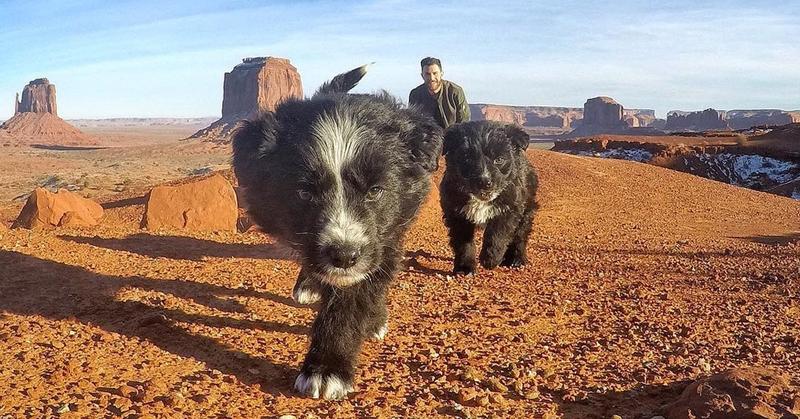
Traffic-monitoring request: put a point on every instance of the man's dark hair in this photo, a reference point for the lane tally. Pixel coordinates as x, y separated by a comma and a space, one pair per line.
430, 61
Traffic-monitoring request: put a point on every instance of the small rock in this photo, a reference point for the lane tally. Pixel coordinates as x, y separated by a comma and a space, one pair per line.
497, 399
483, 401
497, 385
465, 395
63, 409
616, 417
288, 417
126, 391
470, 374
704, 365
532, 394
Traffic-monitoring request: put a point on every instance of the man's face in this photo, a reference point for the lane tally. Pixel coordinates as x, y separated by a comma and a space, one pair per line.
432, 75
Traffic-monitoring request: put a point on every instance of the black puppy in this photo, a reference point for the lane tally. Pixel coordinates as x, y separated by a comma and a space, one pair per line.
340, 177
488, 182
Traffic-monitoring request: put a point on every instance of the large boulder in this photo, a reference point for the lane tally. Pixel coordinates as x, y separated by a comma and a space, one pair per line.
45, 209
709, 119
738, 393
256, 85
207, 204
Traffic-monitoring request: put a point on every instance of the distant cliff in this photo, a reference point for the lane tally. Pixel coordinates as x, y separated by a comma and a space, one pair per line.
552, 119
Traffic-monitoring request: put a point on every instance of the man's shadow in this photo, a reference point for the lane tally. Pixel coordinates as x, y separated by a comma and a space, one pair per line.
33, 286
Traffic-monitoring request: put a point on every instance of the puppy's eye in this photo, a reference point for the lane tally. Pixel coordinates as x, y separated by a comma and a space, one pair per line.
374, 193
499, 161
304, 194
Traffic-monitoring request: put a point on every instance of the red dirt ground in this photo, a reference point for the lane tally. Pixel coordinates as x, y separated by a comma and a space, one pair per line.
641, 279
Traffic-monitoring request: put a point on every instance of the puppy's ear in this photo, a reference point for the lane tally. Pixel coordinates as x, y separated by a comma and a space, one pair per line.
519, 138
423, 137
452, 138
253, 141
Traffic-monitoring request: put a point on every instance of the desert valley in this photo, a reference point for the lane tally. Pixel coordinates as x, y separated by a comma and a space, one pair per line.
663, 280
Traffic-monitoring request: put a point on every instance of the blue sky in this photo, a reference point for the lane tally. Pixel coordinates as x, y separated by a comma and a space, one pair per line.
167, 59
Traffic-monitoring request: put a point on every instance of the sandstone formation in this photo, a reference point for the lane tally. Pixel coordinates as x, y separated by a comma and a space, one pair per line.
38, 96
36, 121
45, 209
744, 119
601, 115
709, 119
738, 393
256, 85
208, 204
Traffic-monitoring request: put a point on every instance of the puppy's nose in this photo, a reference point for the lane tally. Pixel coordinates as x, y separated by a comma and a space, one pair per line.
342, 256
484, 182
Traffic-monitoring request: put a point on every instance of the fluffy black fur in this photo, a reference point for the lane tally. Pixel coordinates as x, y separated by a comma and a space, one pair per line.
345, 215
488, 182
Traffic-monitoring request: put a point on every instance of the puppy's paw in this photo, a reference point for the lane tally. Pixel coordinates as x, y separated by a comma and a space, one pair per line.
304, 295
381, 332
489, 264
515, 262
327, 386
490, 261
465, 269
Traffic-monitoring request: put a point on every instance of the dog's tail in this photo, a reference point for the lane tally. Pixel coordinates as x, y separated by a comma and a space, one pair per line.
343, 82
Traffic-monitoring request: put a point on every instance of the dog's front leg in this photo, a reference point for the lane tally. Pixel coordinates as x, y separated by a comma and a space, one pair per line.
496, 238
307, 289
462, 240
336, 338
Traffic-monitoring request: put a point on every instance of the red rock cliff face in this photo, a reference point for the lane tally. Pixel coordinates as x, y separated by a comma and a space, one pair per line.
39, 96
744, 119
259, 84
709, 119
256, 85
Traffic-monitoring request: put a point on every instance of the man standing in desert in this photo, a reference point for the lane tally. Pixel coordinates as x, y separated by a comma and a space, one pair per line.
439, 98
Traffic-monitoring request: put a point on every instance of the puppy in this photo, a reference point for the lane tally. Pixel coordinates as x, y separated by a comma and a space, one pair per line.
488, 182
340, 177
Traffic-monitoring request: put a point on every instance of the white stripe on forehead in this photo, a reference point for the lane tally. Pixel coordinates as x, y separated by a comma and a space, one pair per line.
339, 139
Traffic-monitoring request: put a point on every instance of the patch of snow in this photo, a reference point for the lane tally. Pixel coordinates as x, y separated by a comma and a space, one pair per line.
635, 154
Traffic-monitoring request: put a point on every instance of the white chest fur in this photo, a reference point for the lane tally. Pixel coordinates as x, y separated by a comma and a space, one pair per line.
479, 211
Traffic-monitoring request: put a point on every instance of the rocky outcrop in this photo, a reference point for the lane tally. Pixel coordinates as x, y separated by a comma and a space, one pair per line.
208, 204
45, 209
550, 119
601, 115
709, 119
38, 96
35, 120
745, 119
738, 393
256, 85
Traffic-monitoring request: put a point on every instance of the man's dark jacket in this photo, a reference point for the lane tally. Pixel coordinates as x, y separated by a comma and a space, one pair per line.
449, 106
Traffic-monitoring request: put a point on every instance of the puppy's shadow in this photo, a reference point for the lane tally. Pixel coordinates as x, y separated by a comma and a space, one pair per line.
412, 263
187, 248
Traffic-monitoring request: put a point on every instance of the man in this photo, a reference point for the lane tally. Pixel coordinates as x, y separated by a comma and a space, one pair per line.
439, 98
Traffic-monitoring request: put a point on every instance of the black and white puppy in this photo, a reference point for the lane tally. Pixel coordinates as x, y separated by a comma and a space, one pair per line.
340, 177
488, 182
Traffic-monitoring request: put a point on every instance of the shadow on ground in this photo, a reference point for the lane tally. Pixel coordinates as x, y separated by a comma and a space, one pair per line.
35, 287
187, 248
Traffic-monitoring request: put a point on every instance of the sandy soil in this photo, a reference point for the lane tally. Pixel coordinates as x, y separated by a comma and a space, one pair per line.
641, 279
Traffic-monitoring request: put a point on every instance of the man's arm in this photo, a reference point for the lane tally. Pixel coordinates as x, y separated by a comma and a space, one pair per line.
462, 111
